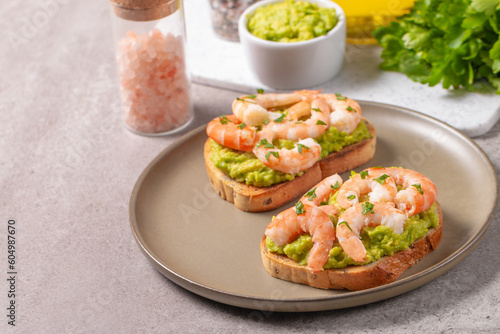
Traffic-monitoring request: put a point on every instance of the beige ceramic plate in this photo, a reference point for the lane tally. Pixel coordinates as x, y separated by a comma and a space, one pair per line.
207, 246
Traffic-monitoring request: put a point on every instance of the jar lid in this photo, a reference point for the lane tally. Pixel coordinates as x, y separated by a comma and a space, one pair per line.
144, 10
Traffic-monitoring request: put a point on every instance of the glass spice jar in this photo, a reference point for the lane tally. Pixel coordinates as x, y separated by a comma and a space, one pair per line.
225, 15
150, 51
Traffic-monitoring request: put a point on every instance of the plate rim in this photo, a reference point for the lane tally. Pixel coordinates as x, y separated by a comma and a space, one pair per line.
327, 302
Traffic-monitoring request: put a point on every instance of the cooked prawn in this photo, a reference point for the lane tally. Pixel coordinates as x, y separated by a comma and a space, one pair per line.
419, 192
352, 221
253, 109
377, 184
291, 223
313, 127
345, 114
320, 194
298, 110
228, 131
304, 154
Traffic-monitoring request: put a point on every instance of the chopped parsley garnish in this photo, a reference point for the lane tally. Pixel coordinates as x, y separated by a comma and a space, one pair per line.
345, 223
223, 119
316, 109
367, 208
340, 97
241, 126
336, 186
260, 91
364, 174
276, 155
311, 194
243, 100
351, 197
419, 188
266, 121
300, 146
349, 108
279, 119
252, 96
382, 178
299, 208
320, 122
265, 143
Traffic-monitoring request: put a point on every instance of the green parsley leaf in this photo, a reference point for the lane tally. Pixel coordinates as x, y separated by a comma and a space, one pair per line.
241, 126
351, 197
340, 97
260, 91
316, 109
367, 208
320, 122
311, 194
364, 174
243, 100
276, 155
280, 119
349, 108
266, 121
345, 223
265, 143
336, 186
419, 188
451, 42
382, 178
299, 208
252, 96
300, 146
223, 119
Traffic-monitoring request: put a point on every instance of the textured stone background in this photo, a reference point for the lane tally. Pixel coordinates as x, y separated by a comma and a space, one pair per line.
68, 166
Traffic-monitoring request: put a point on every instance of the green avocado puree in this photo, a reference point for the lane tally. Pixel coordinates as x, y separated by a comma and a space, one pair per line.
291, 21
379, 241
245, 167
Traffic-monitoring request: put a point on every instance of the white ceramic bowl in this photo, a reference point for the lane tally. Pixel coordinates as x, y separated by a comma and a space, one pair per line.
294, 65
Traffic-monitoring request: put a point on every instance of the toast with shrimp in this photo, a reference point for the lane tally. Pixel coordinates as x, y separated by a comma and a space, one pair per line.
276, 146
364, 233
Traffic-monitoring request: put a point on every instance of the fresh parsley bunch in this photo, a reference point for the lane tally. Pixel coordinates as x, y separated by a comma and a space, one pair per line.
455, 42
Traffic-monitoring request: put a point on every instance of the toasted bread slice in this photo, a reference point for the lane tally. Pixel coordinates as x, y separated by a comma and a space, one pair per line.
351, 156
377, 273
256, 199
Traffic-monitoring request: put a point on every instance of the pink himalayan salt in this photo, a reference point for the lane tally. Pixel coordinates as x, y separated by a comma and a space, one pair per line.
154, 83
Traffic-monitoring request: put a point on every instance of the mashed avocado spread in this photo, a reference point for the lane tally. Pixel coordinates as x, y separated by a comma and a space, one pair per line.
379, 241
291, 21
245, 167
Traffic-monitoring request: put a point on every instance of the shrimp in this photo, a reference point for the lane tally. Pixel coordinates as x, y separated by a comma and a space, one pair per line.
313, 127
304, 218
419, 192
378, 185
303, 156
228, 131
352, 221
252, 109
298, 110
320, 194
346, 113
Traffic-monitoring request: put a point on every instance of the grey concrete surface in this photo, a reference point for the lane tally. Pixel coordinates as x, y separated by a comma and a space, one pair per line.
67, 169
